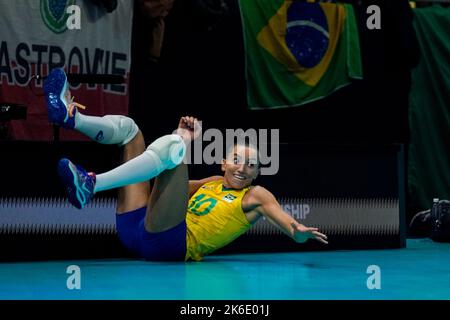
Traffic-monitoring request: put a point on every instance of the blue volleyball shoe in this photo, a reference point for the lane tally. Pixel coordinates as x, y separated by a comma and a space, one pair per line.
79, 183
59, 110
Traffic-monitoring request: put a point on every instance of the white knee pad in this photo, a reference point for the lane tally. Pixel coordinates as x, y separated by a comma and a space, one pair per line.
170, 150
125, 129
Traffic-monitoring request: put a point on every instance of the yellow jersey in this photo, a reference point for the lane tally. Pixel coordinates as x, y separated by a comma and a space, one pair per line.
214, 219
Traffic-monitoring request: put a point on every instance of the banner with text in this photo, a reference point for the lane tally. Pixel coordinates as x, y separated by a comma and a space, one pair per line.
81, 37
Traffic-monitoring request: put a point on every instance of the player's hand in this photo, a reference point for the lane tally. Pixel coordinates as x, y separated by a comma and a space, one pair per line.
189, 128
303, 233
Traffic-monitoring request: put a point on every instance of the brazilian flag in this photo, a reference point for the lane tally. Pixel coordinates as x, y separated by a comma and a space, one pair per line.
298, 52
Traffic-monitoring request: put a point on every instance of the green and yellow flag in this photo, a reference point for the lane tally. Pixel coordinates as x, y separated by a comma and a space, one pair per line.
298, 52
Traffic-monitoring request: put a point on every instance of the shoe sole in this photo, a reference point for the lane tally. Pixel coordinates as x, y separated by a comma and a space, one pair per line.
70, 180
61, 102
62, 98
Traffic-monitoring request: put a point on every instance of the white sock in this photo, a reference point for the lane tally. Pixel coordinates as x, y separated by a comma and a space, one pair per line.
110, 129
142, 168
164, 153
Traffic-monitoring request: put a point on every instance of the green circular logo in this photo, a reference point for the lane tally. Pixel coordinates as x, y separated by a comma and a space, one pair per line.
54, 14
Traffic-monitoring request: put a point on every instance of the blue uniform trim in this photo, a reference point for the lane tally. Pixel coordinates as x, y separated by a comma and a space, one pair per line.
169, 245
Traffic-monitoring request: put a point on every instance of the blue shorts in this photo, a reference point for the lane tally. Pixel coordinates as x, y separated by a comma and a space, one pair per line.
169, 245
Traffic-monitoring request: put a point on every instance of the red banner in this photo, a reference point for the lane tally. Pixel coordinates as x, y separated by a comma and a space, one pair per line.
100, 46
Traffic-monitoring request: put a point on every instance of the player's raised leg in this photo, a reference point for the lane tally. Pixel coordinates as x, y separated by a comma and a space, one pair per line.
164, 153
168, 201
167, 206
109, 129
136, 195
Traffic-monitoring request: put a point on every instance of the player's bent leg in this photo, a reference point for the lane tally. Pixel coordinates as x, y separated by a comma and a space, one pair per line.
160, 240
167, 206
79, 184
133, 196
164, 153
170, 150
109, 129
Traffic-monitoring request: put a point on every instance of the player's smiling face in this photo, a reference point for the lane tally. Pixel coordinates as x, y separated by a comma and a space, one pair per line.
241, 167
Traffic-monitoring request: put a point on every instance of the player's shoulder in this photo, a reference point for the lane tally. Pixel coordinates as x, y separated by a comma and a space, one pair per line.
259, 193
257, 197
212, 179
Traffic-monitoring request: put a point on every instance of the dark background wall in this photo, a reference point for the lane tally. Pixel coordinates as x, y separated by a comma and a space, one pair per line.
202, 72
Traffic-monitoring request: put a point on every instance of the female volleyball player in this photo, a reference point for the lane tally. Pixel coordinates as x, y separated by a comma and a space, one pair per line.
177, 219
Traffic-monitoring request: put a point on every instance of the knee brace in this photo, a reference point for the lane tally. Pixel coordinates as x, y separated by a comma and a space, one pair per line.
124, 129
170, 149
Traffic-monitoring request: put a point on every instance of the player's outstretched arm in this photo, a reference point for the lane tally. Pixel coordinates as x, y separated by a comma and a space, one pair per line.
269, 207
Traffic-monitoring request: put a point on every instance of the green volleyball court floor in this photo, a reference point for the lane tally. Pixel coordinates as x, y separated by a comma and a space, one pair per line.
420, 271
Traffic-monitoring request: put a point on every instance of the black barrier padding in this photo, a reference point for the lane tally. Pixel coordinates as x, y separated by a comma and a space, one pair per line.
29, 247
323, 170
26, 247
336, 171
29, 170
72, 247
